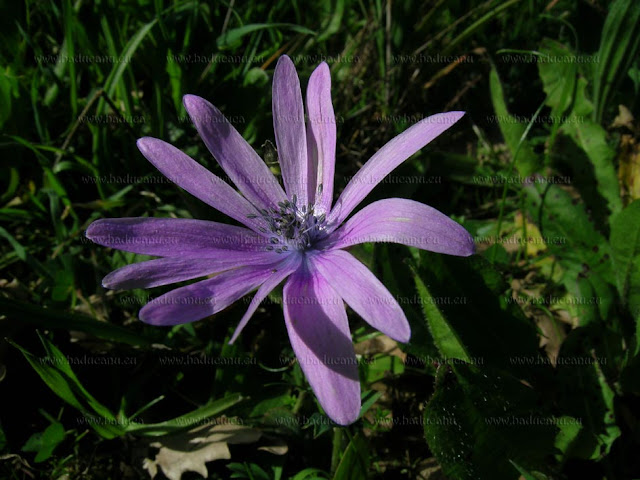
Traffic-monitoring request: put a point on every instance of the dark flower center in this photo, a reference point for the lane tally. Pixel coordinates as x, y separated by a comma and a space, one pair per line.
292, 226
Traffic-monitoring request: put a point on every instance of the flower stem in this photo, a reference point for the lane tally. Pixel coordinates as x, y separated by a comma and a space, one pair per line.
337, 448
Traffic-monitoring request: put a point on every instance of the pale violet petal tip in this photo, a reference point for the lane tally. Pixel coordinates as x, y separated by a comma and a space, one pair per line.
403, 221
290, 131
204, 298
389, 157
238, 159
363, 292
189, 100
144, 144
194, 178
318, 328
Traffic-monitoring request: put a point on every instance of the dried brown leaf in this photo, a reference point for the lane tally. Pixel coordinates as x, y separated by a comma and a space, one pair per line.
190, 451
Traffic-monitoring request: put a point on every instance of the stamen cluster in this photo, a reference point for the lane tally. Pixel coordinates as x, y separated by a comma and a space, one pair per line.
293, 227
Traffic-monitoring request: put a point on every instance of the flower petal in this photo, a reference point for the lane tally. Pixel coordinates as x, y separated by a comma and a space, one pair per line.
403, 221
173, 237
189, 175
319, 333
386, 160
236, 157
164, 271
204, 298
363, 292
288, 125
321, 136
284, 270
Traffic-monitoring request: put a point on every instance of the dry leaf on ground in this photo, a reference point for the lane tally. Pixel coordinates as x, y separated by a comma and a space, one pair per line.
190, 451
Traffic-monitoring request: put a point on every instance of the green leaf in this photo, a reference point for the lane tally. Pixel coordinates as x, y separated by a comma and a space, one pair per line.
175, 80
444, 336
256, 76
261, 408
188, 420
592, 139
480, 23
368, 400
310, 474
44, 443
59, 70
634, 75
497, 337
25, 256
5, 96
319, 422
55, 371
395, 264
335, 21
234, 36
512, 129
625, 245
124, 60
526, 474
625, 255
558, 77
354, 463
581, 250
619, 44
570, 429
251, 471
37, 316
63, 285
380, 366
479, 421
68, 14
497, 254
584, 392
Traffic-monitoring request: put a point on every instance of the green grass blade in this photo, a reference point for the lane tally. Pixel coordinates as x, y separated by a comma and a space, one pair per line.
619, 45
123, 62
192, 419
234, 36
55, 371
36, 316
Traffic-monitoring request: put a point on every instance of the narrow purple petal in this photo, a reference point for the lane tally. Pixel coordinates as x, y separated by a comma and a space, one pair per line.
386, 160
319, 333
204, 298
403, 221
173, 237
321, 136
236, 157
284, 270
288, 124
363, 292
189, 175
164, 271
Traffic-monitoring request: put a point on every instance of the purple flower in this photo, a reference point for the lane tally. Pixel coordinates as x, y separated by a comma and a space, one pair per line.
294, 234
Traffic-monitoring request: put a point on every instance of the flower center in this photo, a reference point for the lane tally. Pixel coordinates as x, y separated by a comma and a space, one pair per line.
292, 226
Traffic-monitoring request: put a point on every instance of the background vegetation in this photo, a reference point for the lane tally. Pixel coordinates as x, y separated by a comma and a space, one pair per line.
524, 360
